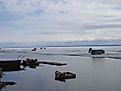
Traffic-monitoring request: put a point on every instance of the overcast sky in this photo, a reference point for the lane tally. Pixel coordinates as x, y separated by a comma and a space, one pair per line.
59, 20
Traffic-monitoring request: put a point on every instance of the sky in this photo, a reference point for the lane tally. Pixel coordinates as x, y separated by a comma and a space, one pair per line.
59, 20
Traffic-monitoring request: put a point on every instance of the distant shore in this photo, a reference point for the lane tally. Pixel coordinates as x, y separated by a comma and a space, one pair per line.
82, 45
58, 46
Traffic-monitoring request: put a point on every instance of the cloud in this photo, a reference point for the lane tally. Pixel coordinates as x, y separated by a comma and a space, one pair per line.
55, 20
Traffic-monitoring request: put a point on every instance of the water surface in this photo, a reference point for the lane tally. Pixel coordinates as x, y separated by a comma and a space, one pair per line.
93, 74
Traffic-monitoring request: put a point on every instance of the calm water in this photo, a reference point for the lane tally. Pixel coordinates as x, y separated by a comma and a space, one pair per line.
93, 74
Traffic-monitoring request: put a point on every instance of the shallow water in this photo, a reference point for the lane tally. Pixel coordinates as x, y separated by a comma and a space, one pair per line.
93, 74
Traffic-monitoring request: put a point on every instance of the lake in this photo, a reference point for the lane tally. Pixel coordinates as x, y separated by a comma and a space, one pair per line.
92, 74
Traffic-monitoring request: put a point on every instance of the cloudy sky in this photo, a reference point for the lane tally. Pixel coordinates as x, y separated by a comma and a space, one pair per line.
59, 20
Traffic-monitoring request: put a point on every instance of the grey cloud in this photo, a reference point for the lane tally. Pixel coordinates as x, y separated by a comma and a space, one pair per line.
75, 18
101, 26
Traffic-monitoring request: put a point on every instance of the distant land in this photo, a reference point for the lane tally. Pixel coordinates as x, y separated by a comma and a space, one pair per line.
106, 42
